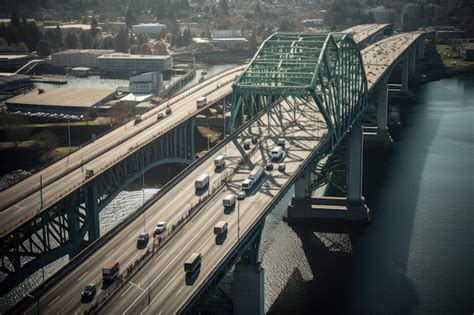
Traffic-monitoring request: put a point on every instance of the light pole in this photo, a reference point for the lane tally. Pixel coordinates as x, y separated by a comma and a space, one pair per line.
143, 193
238, 220
69, 138
41, 191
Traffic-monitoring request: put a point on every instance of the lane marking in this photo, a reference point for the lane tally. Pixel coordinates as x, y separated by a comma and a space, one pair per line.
172, 261
131, 286
82, 276
110, 252
53, 300
161, 254
179, 291
135, 285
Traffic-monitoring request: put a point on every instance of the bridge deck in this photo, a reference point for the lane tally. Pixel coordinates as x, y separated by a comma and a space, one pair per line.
362, 32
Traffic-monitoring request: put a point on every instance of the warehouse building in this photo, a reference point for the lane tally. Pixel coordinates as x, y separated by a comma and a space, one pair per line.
78, 57
124, 65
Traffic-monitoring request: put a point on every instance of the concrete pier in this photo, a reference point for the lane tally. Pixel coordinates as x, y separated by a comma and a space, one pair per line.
248, 293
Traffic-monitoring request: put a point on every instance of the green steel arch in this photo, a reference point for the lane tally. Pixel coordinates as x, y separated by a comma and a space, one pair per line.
326, 69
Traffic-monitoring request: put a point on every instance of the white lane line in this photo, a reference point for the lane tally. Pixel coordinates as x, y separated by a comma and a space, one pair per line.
179, 291
110, 252
172, 261
144, 310
82, 276
135, 285
131, 233
53, 300
131, 286
161, 255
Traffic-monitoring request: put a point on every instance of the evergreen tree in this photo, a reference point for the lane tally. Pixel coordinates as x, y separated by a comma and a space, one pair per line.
223, 8
258, 10
86, 40
22, 47
130, 18
70, 40
14, 20
121, 41
94, 25
187, 37
253, 43
43, 48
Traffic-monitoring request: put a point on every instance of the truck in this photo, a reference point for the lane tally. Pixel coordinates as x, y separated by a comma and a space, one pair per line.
193, 263
277, 152
138, 119
229, 200
220, 228
202, 181
168, 110
253, 177
201, 102
281, 142
219, 161
160, 116
110, 271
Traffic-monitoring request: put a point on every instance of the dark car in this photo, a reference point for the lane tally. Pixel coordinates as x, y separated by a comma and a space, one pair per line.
88, 292
247, 145
254, 139
269, 166
143, 238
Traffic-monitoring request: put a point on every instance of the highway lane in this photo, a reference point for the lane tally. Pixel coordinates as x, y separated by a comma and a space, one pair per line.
30, 206
122, 248
162, 282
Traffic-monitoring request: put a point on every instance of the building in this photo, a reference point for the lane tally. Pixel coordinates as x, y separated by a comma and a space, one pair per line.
10, 82
120, 64
149, 83
381, 14
312, 22
62, 100
226, 33
230, 43
148, 28
11, 63
113, 27
78, 57
468, 52
192, 26
76, 28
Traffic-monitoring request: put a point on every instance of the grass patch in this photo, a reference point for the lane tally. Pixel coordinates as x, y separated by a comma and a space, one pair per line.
210, 133
65, 150
452, 58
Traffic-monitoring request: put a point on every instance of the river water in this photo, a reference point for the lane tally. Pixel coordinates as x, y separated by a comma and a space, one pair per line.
417, 255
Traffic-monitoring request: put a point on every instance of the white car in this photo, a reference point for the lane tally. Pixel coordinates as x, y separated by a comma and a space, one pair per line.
241, 195
160, 228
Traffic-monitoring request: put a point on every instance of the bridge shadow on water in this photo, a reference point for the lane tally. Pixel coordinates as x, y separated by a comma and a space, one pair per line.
360, 270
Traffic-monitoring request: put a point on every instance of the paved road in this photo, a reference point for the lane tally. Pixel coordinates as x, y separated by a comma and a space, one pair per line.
127, 136
166, 276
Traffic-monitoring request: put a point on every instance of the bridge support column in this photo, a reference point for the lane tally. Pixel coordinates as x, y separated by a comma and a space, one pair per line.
404, 83
412, 61
302, 185
92, 209
248, 288
421, 49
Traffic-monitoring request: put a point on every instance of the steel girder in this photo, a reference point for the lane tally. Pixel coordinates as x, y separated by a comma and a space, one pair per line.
325, 67
73, 222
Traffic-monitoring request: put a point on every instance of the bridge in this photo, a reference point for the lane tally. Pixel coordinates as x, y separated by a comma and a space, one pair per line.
250, 102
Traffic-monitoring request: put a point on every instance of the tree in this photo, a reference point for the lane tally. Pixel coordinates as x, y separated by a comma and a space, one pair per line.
258, 10
14, 20
121, 41
253, 43
223, 8
94, 25
160, 48
3, 42
70, 40
130, 18
43, 48
86, 40
187, 37
284, 26
22, 47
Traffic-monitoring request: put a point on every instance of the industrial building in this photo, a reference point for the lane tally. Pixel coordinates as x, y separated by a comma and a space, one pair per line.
62, 100
78, 57
120, 64
10, 82
74, 28
11, 63
148, 83
148, 28
230, 43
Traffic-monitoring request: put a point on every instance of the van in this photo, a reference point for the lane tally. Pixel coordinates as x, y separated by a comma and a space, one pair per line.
193, 263
247, 184
229, 200
202, 181
220, 228
89, 173
281, 142
219, 161
277, 152
138, 119
201, 102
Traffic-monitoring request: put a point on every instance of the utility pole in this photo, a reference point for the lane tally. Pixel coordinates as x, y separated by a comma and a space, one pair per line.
69, 138
41, 190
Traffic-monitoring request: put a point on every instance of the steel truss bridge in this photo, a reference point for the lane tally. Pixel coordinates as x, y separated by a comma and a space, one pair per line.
326, 71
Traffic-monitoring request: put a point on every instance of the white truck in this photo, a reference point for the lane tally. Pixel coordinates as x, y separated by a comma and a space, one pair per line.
202, 181
138, 119
253, 177
277, 152
229, 200
201, 102
219, 161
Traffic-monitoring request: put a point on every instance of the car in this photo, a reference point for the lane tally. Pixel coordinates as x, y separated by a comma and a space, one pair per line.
88, 292
241, 195
143, 238
254, 139
160, 227
247, 145
281, 167
269, 166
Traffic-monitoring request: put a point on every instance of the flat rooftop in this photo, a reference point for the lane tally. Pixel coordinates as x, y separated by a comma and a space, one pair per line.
133, 56
63, 97
12, 57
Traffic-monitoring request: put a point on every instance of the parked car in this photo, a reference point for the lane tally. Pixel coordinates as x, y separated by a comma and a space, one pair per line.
88, 292
281, 167
254, 139
269, 166
160, 227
